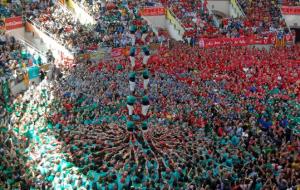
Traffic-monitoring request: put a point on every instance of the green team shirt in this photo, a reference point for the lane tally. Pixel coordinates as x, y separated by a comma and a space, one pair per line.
146, 74
131, 99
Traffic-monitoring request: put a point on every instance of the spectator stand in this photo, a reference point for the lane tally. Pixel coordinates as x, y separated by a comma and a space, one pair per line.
32, 62
51, 41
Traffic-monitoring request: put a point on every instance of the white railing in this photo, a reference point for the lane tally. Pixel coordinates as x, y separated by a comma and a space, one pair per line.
38, 26
178, 26
237, 7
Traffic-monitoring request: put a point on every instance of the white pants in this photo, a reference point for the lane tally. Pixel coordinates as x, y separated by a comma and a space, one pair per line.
132, 61
145, 109
146, 82
130, 109
145, 59
144, 37
132, 40
131, 86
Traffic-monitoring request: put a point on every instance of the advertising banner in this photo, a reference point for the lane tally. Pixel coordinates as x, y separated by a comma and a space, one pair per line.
13, 23
117, 52
152, 11
290, 10
242, 41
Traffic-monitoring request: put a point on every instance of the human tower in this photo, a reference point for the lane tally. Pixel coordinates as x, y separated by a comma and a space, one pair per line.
137, 118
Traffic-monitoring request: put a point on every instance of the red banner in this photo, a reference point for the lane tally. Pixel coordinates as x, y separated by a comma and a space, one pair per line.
242, 41
152, 11
123, 52
13, 23
290, 10
117, 52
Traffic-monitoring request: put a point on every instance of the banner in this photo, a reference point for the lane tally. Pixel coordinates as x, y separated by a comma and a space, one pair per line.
242, 41
290, 10
117, 52
152, 11
95, 55
13, 23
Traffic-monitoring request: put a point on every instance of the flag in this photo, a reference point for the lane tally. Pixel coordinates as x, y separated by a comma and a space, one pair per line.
26, 79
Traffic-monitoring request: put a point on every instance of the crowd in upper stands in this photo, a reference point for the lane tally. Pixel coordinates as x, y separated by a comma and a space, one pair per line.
61, 25
111, 28
13, 9
263, 16
219, 118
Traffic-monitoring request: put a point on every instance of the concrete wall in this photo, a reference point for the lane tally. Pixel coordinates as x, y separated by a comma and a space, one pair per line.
163, 22
220, 6
156, 21
174, 33
292, 21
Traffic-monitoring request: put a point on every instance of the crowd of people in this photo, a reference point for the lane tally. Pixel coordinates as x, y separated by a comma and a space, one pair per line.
60, 24
113, 28
263, 16
15, 57
15, 62
231, 122
13, 9
218, 118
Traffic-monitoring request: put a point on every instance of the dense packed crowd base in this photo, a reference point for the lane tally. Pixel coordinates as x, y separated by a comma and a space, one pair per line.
229, 119
222, 118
